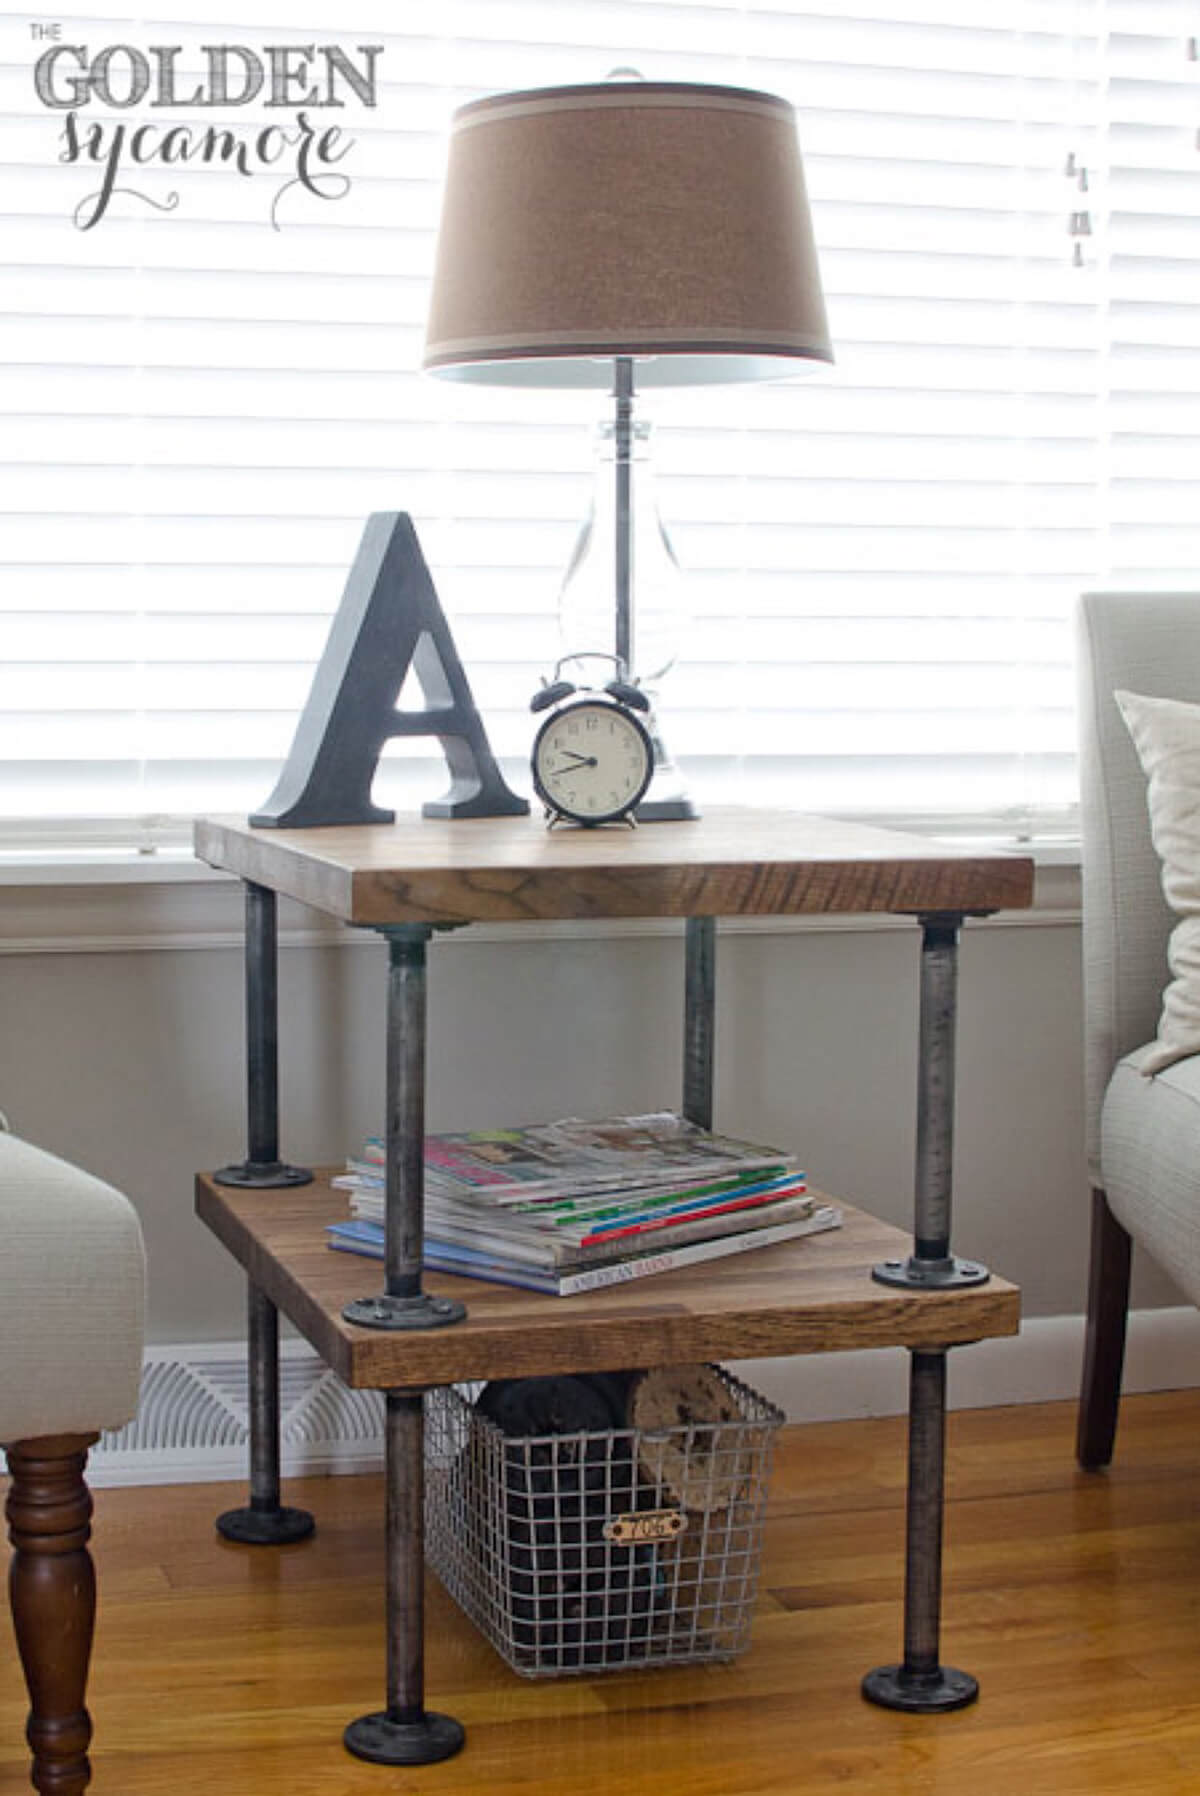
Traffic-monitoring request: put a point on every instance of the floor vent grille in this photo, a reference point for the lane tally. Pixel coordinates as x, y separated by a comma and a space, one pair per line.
193, 1420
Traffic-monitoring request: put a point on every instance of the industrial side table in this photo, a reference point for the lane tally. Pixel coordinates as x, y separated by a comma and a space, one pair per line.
864, 1285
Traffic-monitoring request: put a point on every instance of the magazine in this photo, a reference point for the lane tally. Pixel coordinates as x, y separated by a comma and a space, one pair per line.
570, 1226
575, 1157
543, 1247
548, 1205
468, 1262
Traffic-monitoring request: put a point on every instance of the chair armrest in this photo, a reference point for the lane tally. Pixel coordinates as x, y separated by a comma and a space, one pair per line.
72, 1297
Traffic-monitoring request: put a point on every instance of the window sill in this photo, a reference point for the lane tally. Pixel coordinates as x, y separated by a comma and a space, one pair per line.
79, 865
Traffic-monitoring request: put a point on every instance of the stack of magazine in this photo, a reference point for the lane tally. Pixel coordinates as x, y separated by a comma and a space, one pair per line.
572, 1206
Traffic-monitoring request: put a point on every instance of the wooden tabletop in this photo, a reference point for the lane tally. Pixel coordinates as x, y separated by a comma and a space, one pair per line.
812, 1295
731, 862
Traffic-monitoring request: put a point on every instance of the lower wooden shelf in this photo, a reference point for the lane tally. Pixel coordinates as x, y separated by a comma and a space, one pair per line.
812, 1295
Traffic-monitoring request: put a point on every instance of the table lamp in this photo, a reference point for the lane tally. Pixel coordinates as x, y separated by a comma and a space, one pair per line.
625, 232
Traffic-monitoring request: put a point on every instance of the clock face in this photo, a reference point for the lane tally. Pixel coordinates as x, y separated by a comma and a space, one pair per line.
592, 761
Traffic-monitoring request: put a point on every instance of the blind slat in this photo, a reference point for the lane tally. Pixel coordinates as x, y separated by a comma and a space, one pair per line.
200, 410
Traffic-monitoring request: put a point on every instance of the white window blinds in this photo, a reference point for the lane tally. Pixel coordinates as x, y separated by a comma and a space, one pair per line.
1149, 220
204, 396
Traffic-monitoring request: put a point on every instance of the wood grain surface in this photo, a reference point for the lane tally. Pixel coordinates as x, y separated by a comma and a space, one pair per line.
231, 1671
812, 1295
513, 869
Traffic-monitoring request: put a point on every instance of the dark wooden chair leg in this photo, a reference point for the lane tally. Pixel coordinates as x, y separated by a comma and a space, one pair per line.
52, 1589
1104, 1350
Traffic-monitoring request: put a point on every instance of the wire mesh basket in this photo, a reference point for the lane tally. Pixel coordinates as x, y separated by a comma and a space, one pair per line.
598, 1551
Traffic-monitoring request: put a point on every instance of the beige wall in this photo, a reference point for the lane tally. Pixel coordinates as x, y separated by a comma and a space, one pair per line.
121, 1047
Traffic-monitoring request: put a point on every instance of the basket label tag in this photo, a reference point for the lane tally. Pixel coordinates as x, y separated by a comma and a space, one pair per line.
650, 1524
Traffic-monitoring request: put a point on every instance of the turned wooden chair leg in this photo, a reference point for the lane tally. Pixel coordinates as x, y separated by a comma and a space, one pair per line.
1104, 1350
52, 1589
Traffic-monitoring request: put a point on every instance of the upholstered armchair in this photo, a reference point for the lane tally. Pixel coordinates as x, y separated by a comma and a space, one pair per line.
72, 1279
1142, 1070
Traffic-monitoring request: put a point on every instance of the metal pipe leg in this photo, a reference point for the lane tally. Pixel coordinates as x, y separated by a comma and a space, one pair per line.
263, 1319
265, 1522
920, 1683
931, 1265
262, 1165
402, 1303
405, 1732
699, 1009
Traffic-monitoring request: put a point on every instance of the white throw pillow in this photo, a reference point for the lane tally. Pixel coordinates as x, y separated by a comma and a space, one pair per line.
1166, 734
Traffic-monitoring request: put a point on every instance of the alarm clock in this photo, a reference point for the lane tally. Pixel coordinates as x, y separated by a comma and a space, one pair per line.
592, 758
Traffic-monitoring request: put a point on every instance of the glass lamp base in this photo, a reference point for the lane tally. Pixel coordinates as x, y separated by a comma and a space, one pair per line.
666, 799
666, 810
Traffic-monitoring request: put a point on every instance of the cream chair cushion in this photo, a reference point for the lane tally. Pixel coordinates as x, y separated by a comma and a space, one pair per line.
72, 1294
1132, 642
1150, 1149
1166, 734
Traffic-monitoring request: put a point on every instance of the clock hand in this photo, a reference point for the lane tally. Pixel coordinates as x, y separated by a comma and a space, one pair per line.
580, 760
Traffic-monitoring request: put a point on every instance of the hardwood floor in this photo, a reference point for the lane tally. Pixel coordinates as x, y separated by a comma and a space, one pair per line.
1074, 1598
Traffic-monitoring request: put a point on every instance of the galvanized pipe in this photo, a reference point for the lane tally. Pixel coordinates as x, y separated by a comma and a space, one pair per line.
402, 1302
262, 1168
920, 1684
405, 1557
405, 1732
262, 1319
405, 1152
262, 1149
262, 1026
931, 1265
264, 1521
699, 1012
926, 1489
935, 1088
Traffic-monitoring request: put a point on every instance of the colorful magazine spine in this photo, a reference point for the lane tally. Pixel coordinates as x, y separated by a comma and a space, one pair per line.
633, 1217
674, 1213
548, 1250
367, 1238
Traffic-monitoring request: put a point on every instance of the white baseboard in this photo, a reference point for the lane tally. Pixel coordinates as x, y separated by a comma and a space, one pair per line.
192, 1426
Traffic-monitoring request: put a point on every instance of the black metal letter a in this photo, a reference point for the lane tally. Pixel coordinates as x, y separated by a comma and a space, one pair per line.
388, 621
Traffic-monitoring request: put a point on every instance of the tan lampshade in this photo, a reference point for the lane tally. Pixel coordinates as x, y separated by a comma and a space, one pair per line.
665, 221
